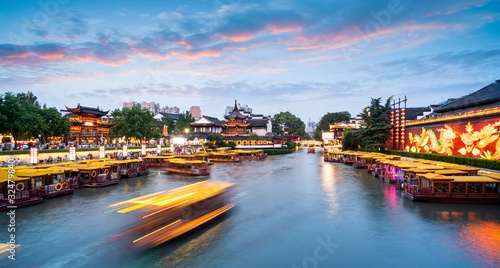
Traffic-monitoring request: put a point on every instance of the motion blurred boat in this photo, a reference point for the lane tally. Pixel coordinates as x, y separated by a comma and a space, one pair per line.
164, 215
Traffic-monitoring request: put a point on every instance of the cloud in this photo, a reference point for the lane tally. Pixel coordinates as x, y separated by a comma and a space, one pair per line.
297, 27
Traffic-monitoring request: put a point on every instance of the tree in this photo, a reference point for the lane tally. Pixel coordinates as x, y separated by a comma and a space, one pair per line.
55, 124
286, 120
133, 123
330, 119
231, 144
291, 145
168, 121
375, 129
184, 122
23, 117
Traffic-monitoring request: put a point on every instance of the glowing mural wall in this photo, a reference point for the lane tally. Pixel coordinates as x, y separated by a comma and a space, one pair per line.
479, 139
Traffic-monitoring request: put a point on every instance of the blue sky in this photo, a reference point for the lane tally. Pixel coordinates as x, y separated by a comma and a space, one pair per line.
306, 57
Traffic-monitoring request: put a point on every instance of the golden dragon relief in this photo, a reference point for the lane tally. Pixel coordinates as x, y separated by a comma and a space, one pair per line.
474, 142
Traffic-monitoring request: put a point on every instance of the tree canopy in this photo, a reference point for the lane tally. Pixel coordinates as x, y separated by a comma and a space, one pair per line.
22, 116
184, 122
286, 120
375, 129
330, 119
133, 123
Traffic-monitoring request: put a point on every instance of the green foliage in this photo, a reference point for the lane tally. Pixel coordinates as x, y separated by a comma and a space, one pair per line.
291, 145
278, 151
22, 116
169, 122
217, 138
294, 124
209, 145
231, 144
329, 119
55, 124
253, 135
375, 129
184, 122
133, 123
351, 140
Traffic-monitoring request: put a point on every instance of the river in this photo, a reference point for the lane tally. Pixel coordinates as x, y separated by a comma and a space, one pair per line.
291, 211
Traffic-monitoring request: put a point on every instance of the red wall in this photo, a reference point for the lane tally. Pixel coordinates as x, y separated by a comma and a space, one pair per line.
464, 138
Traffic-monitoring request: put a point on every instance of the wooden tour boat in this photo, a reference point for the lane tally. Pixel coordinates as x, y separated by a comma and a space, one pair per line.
19, 192
224, 157
97, 175
52, 182
311, 150
166, 215
250, 154
186, 167
432, 187
157, 161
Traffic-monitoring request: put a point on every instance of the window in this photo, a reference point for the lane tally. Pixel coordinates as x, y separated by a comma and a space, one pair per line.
475, 188
458, 188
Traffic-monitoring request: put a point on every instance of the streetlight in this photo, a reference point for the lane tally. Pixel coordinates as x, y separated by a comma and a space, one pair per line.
186, 130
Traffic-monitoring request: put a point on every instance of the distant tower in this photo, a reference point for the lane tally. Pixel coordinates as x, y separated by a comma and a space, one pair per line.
195, 112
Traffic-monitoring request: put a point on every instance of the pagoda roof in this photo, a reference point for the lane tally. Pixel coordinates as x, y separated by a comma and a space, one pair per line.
486, 96
257, 122
86, 111
236, 112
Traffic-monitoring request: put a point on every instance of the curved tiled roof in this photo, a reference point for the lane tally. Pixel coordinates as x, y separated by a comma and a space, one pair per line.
489, 94
236, 113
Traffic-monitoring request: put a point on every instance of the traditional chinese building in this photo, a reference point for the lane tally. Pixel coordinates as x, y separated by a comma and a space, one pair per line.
466, 126
236, 123
87, 126
207, 125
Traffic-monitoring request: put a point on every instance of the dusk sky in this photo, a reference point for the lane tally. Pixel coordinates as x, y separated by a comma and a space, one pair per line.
307, 57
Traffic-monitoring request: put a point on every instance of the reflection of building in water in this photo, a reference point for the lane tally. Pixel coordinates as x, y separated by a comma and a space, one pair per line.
480, 241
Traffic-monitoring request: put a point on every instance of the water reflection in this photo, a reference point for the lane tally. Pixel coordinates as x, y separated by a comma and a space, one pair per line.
480, 241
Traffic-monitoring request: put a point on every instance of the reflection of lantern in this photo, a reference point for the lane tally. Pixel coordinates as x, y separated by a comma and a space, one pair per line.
125, 151
101, 152
143, 149
33, 155
72, 153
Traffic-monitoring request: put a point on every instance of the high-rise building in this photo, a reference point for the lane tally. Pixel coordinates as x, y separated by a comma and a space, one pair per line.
195, 112
243, 108
310, 127
131, 104
170, 110
151, 106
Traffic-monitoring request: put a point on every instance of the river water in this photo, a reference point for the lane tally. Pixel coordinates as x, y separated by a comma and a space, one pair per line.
292, 211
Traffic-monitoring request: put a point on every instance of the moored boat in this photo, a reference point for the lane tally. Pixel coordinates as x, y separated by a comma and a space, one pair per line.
17, 191
186, 167
432, 187
97, 175
52, 182
250, 154
224, 157
157, 161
